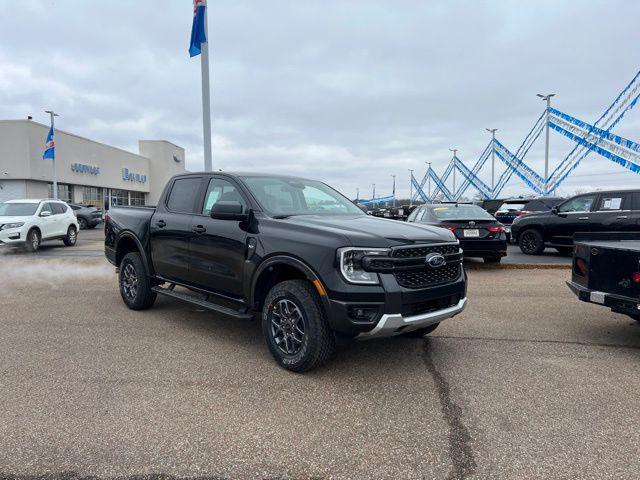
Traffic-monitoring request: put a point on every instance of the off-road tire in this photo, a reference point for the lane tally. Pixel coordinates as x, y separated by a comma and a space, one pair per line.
492, 259
33, 241
531, 242
421, 332
140, 297
317, 343
72, 236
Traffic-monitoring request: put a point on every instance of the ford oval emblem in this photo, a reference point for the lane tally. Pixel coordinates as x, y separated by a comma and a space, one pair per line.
435, 260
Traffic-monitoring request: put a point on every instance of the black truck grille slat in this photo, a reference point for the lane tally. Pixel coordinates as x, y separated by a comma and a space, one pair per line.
422, 251
426, 276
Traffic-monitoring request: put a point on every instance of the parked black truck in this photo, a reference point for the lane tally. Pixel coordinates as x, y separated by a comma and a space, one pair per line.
606, 270
295, 251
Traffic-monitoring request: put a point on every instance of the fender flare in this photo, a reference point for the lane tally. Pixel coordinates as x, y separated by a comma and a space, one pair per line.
292, 262
141, 250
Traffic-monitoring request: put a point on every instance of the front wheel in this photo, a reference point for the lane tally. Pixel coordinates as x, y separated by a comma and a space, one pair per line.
531, 242
295, 326
135, 284
33, 241
72, 236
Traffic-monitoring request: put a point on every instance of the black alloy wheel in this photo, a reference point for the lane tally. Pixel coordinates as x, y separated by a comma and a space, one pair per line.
287, 326
82, 223
295, 326
135, 284
531, 242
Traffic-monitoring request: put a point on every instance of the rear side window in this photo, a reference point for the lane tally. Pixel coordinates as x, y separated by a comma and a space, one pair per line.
611, 202
183, 195
58, 208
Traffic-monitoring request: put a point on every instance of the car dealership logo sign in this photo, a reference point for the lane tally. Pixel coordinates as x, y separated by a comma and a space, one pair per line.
82, 168
133, 177
435, 260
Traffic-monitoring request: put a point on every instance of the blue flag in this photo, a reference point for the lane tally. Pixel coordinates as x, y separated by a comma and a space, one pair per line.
198, 35
49, 147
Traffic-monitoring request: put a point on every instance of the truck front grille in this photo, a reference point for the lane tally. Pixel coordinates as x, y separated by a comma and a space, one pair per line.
425, 276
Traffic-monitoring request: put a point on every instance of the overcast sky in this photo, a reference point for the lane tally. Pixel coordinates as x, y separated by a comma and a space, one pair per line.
349, 92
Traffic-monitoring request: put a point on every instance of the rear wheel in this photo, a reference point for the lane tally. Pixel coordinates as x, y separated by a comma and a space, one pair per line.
421, 332
495, 259
135, 284
531, 242
295, 326
82, 223
33, 241
72, 236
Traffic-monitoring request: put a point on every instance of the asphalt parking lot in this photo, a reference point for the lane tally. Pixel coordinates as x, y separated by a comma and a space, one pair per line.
526, 383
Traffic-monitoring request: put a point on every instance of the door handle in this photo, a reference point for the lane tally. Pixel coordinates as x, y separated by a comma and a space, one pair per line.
583, 218
622, 217
161, 223
199, 229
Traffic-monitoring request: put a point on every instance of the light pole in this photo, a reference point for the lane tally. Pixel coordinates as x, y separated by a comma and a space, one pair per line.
429, 180
547, 98
393, 192
53, 114
410, 187
455, 155
492, 131
357, 194
374, 191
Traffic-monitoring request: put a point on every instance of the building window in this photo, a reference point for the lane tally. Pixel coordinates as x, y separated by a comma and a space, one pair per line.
92, 196
136, 198
119, 197
64, 192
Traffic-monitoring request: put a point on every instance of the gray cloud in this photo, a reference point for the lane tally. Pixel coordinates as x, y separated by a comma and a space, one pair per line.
346, 91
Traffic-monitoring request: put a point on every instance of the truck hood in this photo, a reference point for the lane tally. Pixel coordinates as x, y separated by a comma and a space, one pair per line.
368, 231
5, 219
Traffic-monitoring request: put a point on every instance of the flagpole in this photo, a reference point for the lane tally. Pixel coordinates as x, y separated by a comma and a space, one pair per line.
206, 97
52, 114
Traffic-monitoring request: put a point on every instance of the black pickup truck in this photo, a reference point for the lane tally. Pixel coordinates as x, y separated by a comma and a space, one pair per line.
293, 250
606, 270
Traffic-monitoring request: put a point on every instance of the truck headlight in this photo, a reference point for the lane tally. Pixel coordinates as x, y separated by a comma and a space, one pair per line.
350, 260
7, 226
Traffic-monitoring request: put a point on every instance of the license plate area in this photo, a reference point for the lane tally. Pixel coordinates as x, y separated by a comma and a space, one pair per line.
597, 297
471, 233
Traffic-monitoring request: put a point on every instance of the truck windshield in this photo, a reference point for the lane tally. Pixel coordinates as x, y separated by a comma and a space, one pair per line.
18, 209
287, 196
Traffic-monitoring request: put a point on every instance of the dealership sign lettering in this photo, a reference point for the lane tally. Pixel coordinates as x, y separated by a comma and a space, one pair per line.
133, 177
82, 168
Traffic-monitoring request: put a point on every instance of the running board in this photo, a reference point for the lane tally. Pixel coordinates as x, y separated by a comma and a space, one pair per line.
201, 302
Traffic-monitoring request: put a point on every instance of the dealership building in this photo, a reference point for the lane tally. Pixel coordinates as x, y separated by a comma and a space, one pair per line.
88, 171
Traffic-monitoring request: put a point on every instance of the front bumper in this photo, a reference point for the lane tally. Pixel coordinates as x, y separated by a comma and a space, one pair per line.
396, 324
13, 236
617, 303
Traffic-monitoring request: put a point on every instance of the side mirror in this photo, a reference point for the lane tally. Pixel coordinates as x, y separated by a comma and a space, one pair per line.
45, 214
229, 211
555, 210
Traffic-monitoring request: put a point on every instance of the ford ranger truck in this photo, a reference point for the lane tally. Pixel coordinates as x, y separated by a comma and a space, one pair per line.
606, 270
291, 251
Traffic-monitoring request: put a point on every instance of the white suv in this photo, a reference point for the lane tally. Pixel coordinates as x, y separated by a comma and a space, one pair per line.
29, 222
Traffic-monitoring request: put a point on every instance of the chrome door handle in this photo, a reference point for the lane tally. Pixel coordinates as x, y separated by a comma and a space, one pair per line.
583, 218
622, 217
